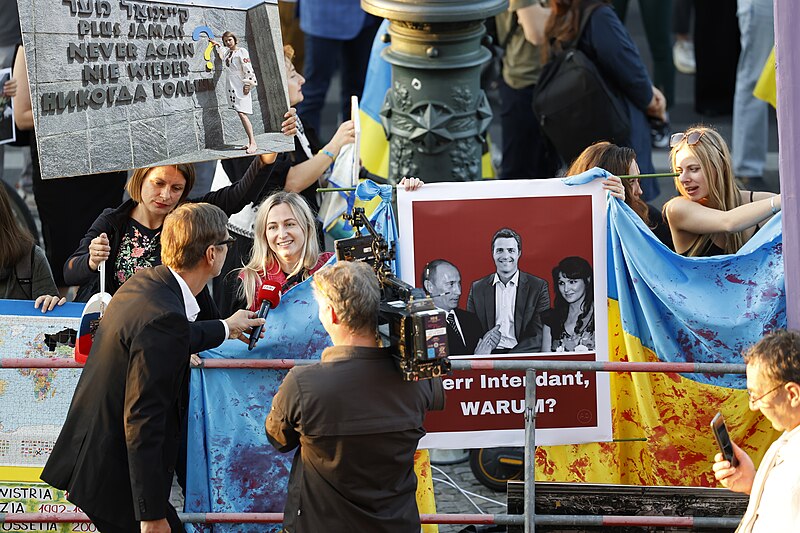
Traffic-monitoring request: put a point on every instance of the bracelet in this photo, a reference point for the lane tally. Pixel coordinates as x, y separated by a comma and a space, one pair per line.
772, 205
328, 153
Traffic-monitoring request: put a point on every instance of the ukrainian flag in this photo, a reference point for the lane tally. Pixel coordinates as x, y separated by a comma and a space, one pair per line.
665, 307
374, 145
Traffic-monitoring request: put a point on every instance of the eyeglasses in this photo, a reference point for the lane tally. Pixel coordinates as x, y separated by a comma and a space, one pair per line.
691, 138
755, 399
227, 242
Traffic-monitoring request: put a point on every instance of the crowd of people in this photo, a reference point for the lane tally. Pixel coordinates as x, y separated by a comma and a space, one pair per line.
165, 244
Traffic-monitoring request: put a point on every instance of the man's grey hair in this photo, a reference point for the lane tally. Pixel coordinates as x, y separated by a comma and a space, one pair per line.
353, 291
778, 355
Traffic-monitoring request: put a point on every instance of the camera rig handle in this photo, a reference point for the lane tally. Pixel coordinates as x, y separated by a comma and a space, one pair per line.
380, 255
414, 327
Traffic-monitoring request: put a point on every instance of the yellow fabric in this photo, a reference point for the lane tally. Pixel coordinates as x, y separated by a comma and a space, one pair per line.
374, 146
375, 150
767, 86
28, 474
672, 412
426, 503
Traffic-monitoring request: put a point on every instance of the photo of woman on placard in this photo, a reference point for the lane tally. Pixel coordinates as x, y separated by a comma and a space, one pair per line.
241, 80
569, 325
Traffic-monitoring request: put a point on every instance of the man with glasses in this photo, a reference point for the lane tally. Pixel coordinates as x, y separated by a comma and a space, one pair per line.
117, 450
773, 384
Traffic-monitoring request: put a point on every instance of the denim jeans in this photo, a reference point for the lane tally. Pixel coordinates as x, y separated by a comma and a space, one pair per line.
750, 115
323, 58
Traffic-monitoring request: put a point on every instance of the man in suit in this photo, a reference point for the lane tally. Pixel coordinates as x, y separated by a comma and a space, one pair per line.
773, 385
117, 449
442, 281
509, 298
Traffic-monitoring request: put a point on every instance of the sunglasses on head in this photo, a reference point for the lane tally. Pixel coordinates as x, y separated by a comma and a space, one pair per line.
691, 138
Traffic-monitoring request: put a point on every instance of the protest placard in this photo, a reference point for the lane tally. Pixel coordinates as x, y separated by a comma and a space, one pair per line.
549, 239
121, 84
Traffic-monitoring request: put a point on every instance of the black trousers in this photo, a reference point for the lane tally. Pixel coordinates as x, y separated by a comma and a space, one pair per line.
716, 51
526, 151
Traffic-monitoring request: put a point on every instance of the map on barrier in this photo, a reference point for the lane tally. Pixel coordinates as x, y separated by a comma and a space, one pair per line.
33, 406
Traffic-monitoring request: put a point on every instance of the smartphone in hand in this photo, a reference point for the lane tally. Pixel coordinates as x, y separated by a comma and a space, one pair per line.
723, 439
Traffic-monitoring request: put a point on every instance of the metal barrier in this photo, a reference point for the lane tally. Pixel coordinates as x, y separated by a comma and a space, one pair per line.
496, 519
529, 518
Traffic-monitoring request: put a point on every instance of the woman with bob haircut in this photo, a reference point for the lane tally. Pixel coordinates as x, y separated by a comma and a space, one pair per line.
129, 235
621, 160
712, 216
569, 325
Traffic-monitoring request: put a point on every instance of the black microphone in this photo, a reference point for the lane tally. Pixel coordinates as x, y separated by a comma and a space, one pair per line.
270, 296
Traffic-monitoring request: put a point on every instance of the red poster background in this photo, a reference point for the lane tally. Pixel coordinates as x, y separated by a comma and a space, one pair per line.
461, 231
564, 406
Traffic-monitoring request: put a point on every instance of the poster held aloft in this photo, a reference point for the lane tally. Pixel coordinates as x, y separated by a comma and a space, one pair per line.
133, 83
515, 235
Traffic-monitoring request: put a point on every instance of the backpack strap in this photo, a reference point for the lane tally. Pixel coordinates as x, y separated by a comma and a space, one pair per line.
24, 272
585, 14
511, 30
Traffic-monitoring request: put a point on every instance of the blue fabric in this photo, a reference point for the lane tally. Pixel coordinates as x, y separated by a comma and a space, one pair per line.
586, 176
231, 467
382, 217
379, 77
695, 309
332, 19
368, 189
25, 308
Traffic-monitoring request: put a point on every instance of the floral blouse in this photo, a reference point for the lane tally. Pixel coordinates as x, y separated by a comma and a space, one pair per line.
139, 248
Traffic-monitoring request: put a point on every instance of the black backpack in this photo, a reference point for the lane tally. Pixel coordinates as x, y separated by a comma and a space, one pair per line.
573, 103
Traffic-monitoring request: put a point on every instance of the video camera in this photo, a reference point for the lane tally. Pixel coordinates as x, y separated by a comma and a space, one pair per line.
415, 328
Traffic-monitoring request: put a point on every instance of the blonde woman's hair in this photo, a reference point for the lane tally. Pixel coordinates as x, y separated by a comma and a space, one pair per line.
715, 161
263, 257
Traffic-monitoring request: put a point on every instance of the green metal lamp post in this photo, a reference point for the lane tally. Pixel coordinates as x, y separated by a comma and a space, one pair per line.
435, 113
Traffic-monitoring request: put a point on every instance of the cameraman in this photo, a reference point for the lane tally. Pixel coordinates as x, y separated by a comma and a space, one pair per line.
355, 420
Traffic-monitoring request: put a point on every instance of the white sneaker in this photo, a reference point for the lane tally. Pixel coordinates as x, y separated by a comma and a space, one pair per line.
683, 57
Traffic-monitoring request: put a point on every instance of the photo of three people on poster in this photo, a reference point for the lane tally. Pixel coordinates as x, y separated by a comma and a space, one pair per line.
509, 311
